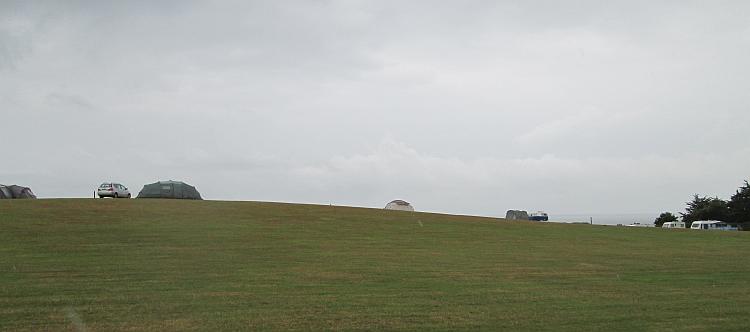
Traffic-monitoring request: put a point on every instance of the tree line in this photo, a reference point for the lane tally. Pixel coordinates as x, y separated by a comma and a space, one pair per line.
735, 211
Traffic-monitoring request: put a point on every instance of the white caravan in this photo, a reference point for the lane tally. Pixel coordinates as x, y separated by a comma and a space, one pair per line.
712, 225
673, 224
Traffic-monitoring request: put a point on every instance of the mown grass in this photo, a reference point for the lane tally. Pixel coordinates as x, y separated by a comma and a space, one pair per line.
154, 265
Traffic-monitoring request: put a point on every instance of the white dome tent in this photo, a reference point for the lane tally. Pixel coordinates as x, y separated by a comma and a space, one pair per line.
399, 205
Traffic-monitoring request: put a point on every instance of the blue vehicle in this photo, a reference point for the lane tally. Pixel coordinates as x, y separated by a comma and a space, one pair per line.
539, 216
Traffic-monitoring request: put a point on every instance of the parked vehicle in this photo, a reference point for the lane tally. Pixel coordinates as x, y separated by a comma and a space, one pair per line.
114, 190
673, 224
714, 225
638, 224
539, 216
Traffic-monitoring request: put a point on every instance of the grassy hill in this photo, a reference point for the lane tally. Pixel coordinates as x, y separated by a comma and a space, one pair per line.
74, 264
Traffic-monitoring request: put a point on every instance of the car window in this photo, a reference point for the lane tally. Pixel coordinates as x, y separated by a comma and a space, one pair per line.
105, 185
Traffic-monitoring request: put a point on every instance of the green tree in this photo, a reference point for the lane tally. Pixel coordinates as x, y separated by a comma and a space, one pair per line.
705, 208
664, 217
739, 205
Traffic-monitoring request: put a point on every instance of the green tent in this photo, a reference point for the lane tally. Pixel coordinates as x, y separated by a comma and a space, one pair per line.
169, 189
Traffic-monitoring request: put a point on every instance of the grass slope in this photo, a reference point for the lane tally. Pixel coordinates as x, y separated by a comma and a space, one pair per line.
156, 265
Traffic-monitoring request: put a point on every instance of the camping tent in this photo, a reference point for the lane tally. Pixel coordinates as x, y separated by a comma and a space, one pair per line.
399, 205
14, 191
169, 189
517, 215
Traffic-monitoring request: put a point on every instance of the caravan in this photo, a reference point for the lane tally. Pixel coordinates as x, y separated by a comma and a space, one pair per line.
712, 225
673, 224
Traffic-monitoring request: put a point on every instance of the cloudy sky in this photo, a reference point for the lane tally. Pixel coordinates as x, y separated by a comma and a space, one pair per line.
470, 107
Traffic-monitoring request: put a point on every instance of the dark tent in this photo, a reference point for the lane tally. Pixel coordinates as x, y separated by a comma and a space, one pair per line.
169, 189
14, 191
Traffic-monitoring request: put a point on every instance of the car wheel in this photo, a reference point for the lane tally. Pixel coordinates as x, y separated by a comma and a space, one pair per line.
116, 195
128, 195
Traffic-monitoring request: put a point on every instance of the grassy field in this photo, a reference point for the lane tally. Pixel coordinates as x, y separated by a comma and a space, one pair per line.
84, 264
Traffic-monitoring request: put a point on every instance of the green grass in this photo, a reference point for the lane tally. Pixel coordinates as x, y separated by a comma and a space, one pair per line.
159, 265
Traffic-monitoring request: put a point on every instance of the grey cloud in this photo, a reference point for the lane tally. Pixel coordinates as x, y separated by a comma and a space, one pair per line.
465, 107
71, 103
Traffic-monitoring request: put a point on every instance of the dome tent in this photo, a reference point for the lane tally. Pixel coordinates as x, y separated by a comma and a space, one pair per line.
399, 205
517, 215
169, 189
15, 191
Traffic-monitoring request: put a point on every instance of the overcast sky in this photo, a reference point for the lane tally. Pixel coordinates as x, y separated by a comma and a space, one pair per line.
470, 107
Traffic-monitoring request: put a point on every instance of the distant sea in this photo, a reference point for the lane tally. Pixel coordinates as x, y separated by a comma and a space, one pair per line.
607, 219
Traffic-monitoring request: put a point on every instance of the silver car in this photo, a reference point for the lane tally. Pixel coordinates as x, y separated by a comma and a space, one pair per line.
114, 190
